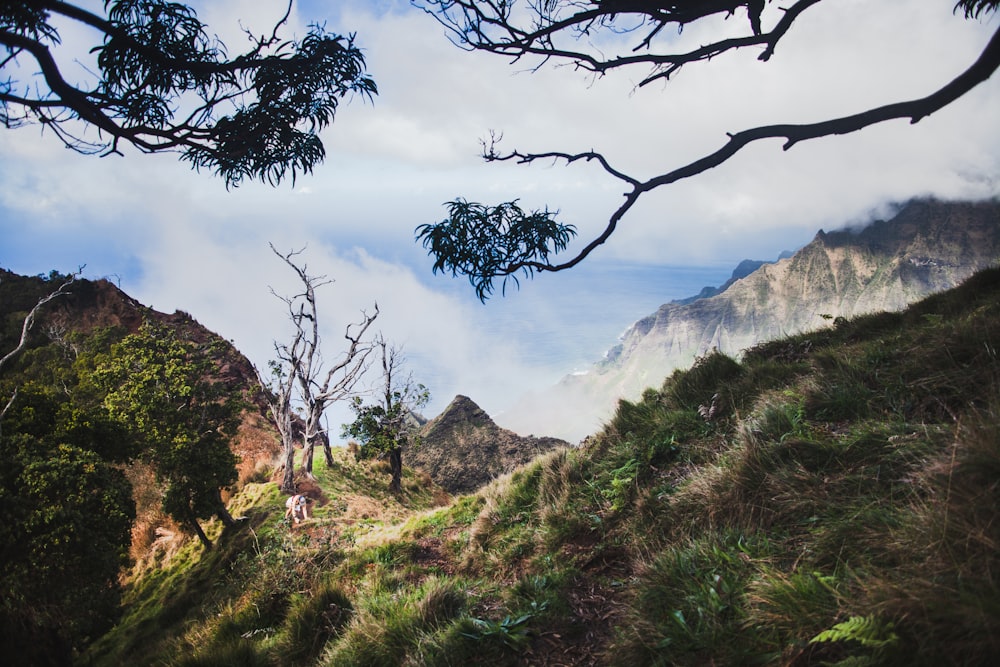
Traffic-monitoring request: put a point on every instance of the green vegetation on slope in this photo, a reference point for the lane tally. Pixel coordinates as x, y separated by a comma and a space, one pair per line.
832, 498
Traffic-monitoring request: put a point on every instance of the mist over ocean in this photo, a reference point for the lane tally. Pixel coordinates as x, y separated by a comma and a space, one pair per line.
572, 320
564, 322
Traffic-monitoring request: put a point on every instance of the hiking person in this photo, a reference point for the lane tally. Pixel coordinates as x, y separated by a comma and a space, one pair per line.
297, 508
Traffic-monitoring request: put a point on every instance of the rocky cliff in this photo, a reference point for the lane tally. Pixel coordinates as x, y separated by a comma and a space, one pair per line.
928, 246
462, 448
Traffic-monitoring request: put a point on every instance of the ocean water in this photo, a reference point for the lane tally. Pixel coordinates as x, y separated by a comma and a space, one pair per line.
568, 320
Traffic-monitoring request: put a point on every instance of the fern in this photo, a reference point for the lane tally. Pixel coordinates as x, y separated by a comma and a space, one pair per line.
868, 631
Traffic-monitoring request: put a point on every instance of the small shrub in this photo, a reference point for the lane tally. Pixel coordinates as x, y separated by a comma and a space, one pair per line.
462, 644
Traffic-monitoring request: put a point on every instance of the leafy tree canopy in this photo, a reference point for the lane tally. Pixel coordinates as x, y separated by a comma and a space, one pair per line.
65, 527
482, 241
386, 425
162, 83
163, 390
489, 243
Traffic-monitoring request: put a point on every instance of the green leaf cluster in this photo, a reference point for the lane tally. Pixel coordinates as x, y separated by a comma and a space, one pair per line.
381, 428
66, 507
163, 83
163, 390
488, 242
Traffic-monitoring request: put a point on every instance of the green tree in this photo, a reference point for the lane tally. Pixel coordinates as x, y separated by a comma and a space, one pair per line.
66, 508
388, 425
167, 393
490, 243
160, 82
65, 529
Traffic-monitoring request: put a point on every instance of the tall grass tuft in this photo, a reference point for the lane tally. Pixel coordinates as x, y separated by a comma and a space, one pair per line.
399, 627
235, 653
947, 601
311, 623
688, 604
786, 609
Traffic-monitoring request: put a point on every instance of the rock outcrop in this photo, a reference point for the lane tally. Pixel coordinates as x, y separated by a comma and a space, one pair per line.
462, 448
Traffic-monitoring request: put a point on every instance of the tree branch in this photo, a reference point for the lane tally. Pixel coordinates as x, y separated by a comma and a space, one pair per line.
980, 71
29, 322
258, 114
489, 26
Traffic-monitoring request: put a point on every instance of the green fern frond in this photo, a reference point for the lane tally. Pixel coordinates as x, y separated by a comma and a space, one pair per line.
869, 631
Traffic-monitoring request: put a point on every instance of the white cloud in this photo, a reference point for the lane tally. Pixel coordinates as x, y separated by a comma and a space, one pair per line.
180, 240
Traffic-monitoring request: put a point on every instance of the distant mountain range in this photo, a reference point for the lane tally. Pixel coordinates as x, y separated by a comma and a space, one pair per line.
927, 247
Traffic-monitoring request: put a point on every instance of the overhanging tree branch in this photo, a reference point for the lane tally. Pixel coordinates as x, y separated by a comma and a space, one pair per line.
457, 243
566, 30
162, 84
914, 110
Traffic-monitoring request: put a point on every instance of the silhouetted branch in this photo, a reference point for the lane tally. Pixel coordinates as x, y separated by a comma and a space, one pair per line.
915, 110
543, 28
162, 84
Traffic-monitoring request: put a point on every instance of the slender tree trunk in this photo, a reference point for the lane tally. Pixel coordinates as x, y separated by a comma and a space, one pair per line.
288, 482
224, 515
207, 543
328, 451
396, 465
307, 457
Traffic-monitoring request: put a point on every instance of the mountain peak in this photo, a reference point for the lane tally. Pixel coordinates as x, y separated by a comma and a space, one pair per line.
462, 448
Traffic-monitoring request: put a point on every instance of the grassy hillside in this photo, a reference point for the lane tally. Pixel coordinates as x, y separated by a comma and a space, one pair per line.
830, 499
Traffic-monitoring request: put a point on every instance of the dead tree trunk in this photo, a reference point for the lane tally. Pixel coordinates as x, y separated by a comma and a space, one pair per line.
300, 364
396, 468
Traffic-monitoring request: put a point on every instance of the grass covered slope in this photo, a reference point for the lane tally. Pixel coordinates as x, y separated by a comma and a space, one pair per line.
833, 498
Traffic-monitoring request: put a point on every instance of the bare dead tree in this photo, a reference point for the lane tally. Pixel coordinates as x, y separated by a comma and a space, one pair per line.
278, 390
26, 326
486, 243
300, 370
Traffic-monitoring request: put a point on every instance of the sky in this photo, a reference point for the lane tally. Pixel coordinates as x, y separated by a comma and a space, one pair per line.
176, 239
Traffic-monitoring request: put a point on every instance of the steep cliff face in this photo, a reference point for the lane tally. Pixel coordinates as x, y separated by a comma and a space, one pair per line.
462, 448
927, 247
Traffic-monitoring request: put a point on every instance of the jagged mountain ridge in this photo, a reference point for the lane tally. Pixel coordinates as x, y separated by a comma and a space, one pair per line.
463, 449
927, 247
742, 270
